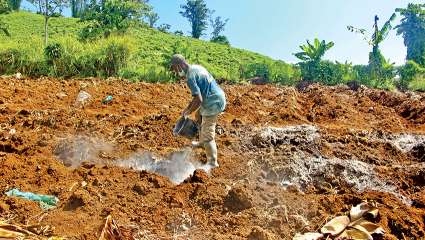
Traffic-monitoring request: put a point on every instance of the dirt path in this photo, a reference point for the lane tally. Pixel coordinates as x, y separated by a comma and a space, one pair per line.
290, 160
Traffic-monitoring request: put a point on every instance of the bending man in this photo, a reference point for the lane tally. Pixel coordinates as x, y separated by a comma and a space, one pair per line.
208, 100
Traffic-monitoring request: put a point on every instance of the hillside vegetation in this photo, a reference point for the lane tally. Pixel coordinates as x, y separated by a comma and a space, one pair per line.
140, 54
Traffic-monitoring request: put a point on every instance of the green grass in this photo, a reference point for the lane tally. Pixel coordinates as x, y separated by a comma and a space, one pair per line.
149, 50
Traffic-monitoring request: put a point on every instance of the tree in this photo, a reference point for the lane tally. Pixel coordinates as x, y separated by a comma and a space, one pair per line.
4, 9
78, 7
218, 26
311, 57
179, 33
112, 16
412, 28
152, 18
15, 5
379, 68
49, 8
165, 28
197, 13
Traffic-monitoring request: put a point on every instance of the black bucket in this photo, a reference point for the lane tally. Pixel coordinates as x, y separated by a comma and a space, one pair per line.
186, 127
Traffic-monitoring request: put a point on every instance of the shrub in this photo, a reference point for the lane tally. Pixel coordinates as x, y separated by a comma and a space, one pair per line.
408, 73
113, 58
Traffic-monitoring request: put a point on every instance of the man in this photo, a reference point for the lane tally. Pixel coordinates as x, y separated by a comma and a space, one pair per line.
208, 100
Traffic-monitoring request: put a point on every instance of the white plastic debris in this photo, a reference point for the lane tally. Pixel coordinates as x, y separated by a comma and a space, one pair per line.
308, 236
83, 98
336, 226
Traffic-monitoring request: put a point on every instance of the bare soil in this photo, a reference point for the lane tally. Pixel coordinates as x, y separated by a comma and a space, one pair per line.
367, 146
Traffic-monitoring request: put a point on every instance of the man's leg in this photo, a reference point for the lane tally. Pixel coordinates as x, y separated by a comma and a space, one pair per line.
207, 138
198, 120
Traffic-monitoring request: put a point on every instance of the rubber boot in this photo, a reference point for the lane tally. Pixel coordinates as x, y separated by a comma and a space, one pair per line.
196, 144
211, 152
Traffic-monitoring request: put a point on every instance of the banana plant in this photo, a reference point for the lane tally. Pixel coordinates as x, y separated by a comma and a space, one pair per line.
314, 52
379, 35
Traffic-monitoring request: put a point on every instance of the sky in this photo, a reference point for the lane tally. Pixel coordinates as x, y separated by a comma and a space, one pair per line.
277, 28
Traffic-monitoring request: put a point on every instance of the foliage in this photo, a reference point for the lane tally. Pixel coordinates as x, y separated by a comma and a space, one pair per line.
152, 18
78, 8
4, 9
412, 28
410, 72
380, 72
197, 12
15, 5
165, 28
147, 57
179, 33
221, 40
314, 52
218, 26
49, 8
312, 67
112, 16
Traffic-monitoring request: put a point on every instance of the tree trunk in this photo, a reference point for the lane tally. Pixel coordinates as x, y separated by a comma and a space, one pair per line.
46, 22
46, 29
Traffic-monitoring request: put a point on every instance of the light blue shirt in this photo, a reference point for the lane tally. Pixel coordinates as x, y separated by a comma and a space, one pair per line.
200, 81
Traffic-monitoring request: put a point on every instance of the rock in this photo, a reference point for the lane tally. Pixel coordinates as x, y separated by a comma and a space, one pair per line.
257, 233
418, 151
353, 85
238, 199
199, 176
259, 81
140, 189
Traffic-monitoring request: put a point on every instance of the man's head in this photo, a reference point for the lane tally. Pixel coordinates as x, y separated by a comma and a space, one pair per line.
179, 65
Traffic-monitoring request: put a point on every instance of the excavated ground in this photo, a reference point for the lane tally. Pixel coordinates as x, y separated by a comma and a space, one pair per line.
289, 160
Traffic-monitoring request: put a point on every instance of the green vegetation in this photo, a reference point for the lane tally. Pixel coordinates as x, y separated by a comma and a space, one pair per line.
197, 12
111, 39
143, 53
112, 16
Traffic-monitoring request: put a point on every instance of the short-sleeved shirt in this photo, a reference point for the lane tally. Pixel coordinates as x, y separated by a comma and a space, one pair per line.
201, 82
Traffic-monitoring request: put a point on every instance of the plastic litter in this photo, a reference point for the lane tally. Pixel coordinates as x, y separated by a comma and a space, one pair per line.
186, 127
83, 98
344, 227
46, 201
111, 230
107, 100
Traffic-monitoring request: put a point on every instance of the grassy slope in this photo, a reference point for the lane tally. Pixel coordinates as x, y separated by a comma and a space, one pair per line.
148, 48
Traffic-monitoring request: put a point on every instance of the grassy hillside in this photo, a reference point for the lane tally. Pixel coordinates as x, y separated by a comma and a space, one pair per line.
143, 52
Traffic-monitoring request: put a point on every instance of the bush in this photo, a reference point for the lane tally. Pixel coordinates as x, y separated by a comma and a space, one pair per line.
325, 72
408, 73
113, 58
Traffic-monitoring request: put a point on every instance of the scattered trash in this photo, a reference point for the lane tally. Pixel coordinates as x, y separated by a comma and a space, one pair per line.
83, 98
12, 131
107, 100
10, 231
344, 227
186, 127
336, 226
46, 201
308, 236
111, 230
18, 75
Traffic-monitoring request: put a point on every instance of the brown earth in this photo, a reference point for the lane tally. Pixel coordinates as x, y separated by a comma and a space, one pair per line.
243, 198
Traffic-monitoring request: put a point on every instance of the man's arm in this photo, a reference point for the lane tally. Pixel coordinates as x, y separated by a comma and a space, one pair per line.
193, 105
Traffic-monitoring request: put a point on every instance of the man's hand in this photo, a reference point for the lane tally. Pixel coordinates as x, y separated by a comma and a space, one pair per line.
185, 113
